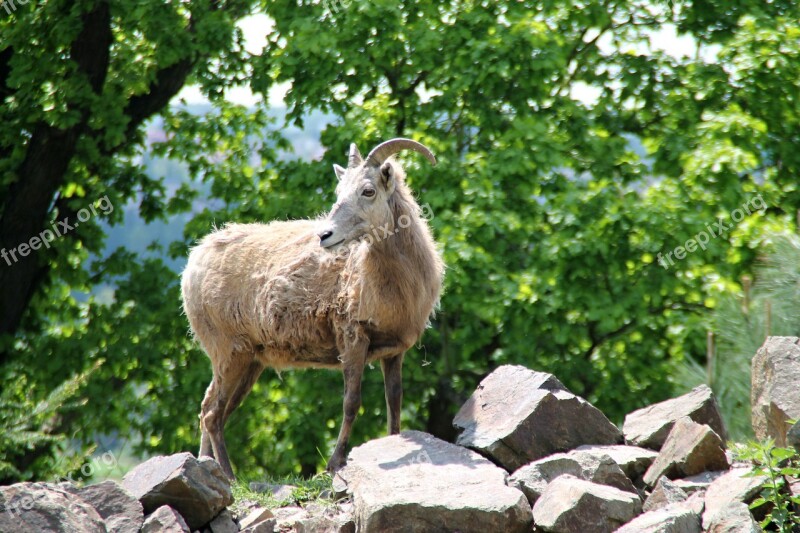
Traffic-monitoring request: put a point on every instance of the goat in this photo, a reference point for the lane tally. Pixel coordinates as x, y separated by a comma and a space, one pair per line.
356, 286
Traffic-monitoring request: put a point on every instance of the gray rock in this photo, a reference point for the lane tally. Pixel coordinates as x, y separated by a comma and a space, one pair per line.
649, 427
165, 519
572, 505
793, 436
634, 460
416, 482
690, 449
732, 518
196, 488
223, 523
255, 516
288, 517
773, 392
669, 519
665, 493
265, 526
736, 486
516, 416
533, 478
120, 510
699, 482
46, 508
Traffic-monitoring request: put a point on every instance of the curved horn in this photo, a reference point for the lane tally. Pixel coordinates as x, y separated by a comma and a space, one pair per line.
383, 151
354, 159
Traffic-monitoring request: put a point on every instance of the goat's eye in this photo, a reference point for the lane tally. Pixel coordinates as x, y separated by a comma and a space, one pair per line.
369, 193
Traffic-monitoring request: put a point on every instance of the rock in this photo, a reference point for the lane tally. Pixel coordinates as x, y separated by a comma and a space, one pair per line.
516, 416
416, 482
690, 449
165, 519
793, 436
223, 523
120, 510
533, 478
196, 488
634, 460
289, 517
572, 505
699, 482
265, 526
42, 507
736, 486
773, 392
665, 493
670, 519
255, 516
649, 427
732, 518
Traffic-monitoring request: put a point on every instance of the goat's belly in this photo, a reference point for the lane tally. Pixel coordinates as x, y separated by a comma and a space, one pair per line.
299, 356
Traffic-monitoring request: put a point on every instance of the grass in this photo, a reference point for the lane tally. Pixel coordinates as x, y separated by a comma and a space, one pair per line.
317, 489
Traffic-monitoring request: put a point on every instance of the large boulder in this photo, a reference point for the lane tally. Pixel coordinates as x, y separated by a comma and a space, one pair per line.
416, 482
633, 460
669, 519
196, 488
732, 518
532, 479
165, 519
739, 485
649, 427
572, 505
517, 415
773, 393
665, 493
42, 507
120, 510
690, 449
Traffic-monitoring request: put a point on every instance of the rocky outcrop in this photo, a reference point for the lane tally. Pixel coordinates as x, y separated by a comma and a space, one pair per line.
517, 415
649, 427
534, 477
572, 505
416, 482
196, 488
690, 449
773, 392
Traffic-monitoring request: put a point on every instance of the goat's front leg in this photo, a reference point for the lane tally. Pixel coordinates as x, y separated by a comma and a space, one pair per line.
353, 361
392, 368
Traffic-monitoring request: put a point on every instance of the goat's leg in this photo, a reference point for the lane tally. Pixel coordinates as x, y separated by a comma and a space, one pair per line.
353, 362
206, 450
228, 384
392, 368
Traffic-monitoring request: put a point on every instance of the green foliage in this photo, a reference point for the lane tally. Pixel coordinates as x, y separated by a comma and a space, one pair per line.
573, 155
776, 464
26, 435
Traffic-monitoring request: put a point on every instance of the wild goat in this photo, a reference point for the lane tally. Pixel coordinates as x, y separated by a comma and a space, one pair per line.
354, 287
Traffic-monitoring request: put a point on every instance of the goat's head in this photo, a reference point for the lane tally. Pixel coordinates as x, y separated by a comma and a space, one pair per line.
364, 192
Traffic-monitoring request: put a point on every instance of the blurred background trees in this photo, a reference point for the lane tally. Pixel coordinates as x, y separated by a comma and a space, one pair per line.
576, 142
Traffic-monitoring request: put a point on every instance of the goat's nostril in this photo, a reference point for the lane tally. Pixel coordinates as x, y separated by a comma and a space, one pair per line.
325, 234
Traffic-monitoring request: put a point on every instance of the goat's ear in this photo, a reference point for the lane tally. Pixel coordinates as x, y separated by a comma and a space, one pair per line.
387, 176
339, 171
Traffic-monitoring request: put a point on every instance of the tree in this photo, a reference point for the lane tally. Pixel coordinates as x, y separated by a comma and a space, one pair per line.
577, 165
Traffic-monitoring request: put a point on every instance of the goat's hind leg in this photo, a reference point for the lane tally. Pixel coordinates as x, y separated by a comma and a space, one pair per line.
227, 390
392, 368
